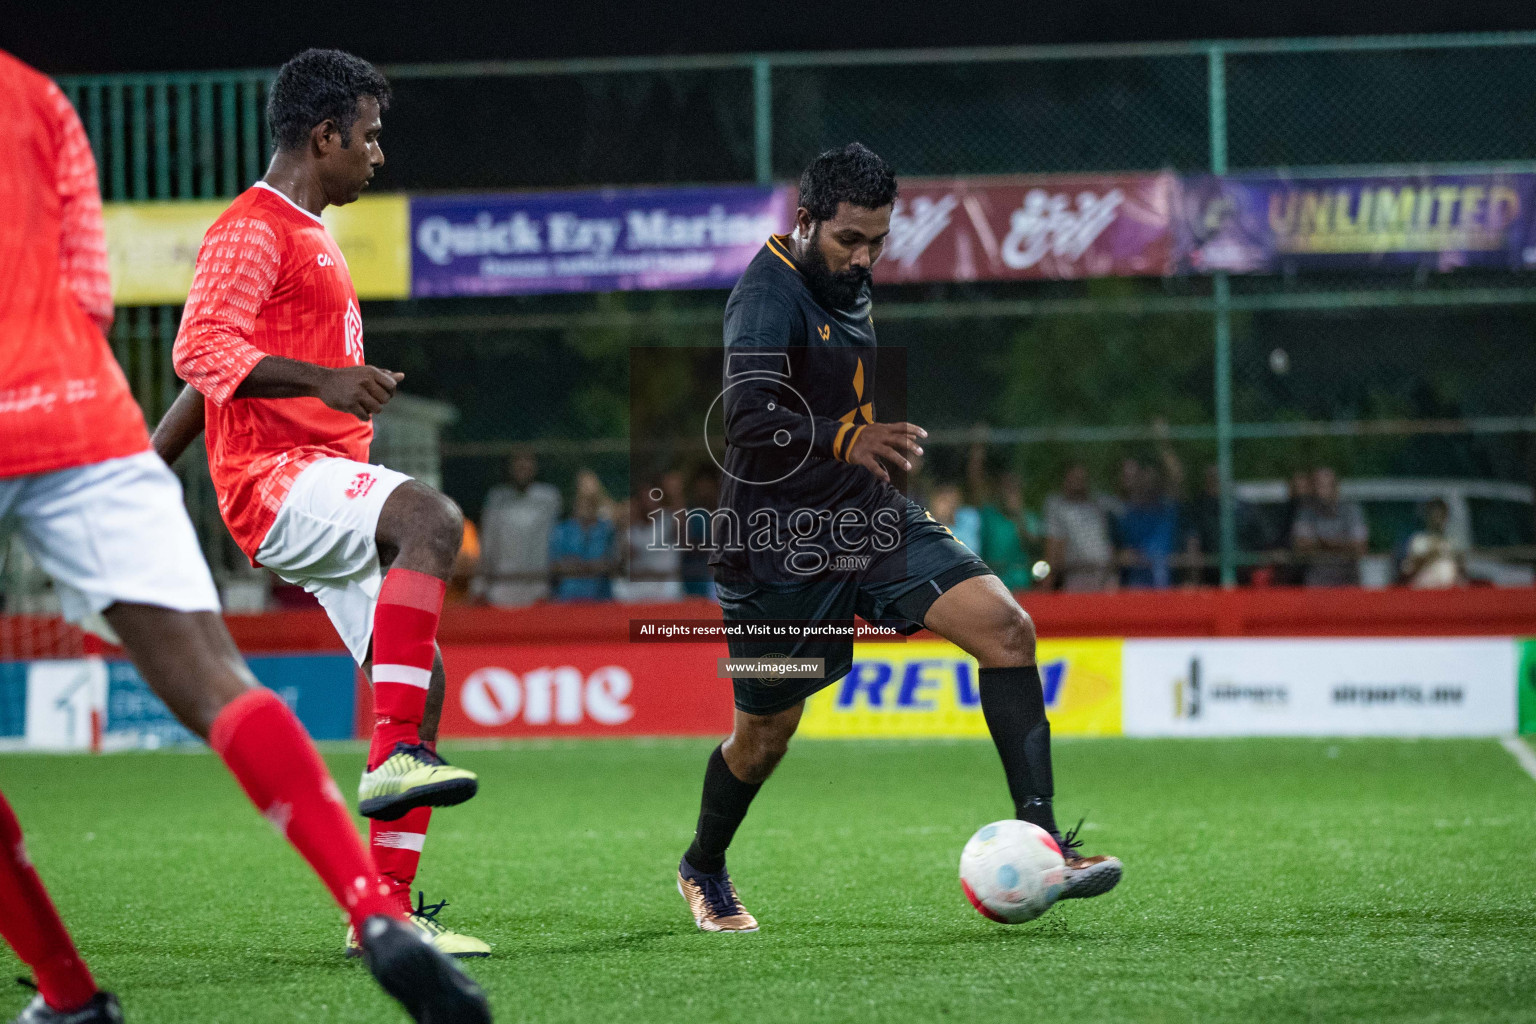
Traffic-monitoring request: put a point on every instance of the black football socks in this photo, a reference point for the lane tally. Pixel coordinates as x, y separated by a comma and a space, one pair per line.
1013, 703
725, 803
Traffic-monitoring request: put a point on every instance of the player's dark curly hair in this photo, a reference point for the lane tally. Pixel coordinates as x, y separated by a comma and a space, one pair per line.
853, 174
321, 85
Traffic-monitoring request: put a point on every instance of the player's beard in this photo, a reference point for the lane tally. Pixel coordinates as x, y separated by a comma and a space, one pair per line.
840, 290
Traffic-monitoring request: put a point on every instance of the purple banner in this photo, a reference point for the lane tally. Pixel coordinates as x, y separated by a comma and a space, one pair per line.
612, 240
1272, 224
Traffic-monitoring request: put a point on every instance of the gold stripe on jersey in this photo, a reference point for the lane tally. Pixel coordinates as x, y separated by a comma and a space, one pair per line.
838, 440
853, 441
777, 248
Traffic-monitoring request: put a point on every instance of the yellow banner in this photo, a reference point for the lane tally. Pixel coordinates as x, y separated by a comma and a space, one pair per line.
152, 247
374, 234
929, 689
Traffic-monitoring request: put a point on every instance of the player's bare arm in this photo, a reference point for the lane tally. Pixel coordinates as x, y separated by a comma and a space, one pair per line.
180, 425
359, 390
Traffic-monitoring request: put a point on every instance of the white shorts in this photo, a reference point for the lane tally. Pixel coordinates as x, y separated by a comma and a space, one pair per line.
323, 540
113, 531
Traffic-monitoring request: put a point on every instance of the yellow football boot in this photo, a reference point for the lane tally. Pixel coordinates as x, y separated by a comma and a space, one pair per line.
410, 777
424, 919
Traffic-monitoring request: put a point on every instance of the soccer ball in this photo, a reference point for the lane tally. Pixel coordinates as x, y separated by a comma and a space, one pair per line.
1011, 871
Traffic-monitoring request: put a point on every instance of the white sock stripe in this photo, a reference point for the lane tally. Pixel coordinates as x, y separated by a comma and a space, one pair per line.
407, 674
401, 840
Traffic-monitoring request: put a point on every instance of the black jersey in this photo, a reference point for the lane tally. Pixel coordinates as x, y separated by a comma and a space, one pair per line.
796, 392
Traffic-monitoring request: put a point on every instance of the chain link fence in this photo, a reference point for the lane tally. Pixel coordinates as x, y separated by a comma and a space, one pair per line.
1391, 378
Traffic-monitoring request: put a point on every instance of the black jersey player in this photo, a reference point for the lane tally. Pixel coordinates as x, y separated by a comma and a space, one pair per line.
825, 535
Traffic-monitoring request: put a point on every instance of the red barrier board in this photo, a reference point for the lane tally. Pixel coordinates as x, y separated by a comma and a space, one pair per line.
614, 689
1340, 611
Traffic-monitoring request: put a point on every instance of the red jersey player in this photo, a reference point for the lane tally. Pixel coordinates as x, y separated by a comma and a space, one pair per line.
103, 515
271, 343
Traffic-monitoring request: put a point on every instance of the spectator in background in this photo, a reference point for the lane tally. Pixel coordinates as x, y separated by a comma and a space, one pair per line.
1202, 530
1433, 559
1292, 573
1010, 533
963, 520
652, 557
1077, 538
514, 536
581, 548
1329, 536
1126, 482
1149, 532
1147, 527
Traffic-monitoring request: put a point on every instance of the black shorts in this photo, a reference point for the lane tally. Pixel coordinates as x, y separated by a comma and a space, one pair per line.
895, 590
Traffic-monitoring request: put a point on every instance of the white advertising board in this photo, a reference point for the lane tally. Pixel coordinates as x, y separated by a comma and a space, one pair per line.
1364, 687
66, 703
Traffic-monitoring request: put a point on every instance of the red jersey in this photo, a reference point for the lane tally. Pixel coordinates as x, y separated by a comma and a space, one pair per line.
63, 399
269, 281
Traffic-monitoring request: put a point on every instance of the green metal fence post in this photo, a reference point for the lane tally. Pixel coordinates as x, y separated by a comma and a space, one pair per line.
162, 102
250, 131
206, 159
1223, 316
138, 119
117, 128
185, 146
93, 130
762, 118
229, 130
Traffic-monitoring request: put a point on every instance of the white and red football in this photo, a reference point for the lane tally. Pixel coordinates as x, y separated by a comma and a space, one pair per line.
1011, 871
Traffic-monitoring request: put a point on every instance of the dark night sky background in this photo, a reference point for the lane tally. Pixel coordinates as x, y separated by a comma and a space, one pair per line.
143, 35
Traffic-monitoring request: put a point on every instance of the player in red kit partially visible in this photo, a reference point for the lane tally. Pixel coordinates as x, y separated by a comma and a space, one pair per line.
101, 513
271, 342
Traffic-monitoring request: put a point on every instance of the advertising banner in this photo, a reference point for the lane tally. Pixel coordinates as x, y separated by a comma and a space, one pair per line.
618, 689
1366, 687
319, 688
612, 240
374, 236
75, 704
1271, 224
1063, 226
929, 689
152, 247
66, 703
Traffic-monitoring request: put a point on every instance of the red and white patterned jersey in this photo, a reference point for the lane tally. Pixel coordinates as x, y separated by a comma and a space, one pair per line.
269, 281
63, 399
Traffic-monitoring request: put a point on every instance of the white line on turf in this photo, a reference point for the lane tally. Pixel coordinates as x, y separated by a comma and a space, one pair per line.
1527, 758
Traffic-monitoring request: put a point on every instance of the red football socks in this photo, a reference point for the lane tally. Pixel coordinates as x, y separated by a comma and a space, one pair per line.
269, 753
396, 847
404, 645
31, 925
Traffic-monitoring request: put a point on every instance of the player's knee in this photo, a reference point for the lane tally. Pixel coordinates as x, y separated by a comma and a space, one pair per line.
1015, 636
445, 523
435, 526
763, 758
759, 751
213, 683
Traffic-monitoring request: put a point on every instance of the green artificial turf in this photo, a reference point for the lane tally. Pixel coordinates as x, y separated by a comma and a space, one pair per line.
1266, 880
